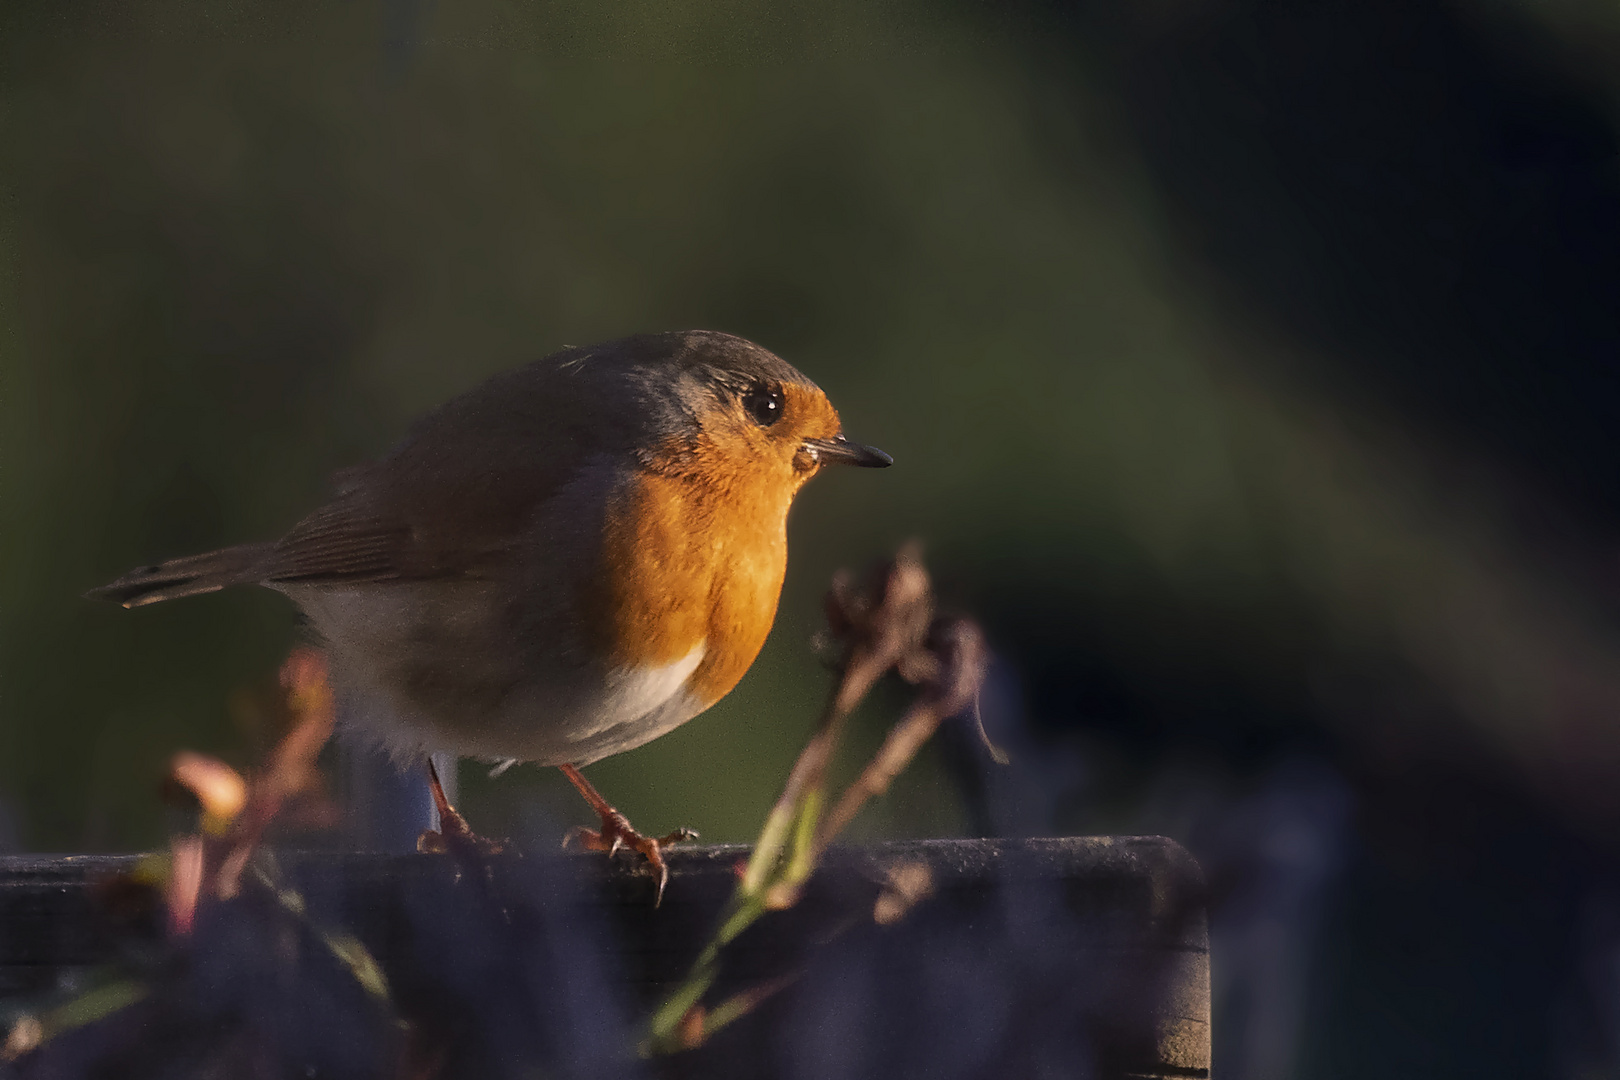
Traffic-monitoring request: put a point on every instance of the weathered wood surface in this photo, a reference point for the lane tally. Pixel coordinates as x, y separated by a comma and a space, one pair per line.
1084, 956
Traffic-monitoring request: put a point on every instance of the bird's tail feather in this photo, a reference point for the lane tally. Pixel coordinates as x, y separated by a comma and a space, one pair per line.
243, 564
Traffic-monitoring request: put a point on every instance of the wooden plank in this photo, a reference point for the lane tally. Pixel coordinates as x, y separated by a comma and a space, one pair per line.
1069, 956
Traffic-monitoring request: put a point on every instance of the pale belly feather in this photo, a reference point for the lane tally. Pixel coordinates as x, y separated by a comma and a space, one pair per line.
413, 669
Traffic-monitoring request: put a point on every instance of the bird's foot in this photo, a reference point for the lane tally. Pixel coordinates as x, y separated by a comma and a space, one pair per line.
453, 836
616, 833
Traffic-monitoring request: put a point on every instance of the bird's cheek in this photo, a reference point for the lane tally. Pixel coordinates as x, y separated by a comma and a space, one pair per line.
805, 464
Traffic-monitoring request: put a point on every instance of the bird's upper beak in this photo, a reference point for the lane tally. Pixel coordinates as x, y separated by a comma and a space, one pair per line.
840, 451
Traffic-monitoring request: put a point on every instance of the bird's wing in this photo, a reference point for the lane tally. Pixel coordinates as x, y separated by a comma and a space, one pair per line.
403, 524
461, 491
343, 541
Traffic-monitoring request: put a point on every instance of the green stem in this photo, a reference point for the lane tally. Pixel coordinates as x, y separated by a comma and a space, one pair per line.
767, 849
766, 870
802, 858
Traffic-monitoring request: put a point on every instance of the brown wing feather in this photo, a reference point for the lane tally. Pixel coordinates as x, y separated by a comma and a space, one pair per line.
341, 541
462, 488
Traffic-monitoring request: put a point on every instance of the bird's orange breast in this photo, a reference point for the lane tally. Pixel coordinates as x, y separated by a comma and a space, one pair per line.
693, 556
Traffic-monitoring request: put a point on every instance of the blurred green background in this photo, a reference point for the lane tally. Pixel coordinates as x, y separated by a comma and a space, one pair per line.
1250, 370
245, 249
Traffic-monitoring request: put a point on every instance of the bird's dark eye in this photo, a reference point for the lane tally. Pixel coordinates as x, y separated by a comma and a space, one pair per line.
764, 404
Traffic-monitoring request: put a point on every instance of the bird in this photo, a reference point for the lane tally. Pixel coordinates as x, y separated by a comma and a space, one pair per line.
571, 559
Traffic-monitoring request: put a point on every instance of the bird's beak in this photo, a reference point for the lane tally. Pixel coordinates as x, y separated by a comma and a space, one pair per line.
840, 451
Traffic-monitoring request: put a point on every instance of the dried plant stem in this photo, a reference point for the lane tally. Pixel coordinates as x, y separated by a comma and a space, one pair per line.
800, 801
292, 764
891, 630
901, 745
793, 818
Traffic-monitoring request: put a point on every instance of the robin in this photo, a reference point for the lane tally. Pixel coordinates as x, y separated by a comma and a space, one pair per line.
570, 560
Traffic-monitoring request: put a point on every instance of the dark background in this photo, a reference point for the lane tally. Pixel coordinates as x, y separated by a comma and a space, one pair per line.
1251, 370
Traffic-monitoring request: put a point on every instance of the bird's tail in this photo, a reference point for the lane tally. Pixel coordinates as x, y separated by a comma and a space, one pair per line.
243, 564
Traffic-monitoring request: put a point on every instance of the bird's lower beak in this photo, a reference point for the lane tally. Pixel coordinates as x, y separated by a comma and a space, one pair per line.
840, 451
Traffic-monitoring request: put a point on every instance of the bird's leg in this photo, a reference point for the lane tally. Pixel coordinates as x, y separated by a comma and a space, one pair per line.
453, 833
616, 831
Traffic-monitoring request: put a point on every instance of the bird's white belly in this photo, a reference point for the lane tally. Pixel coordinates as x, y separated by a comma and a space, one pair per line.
550, 710
636, 692
556, 725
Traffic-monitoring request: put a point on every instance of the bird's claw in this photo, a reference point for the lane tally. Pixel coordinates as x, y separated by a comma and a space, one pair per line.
448, 838
617, 832
453, 835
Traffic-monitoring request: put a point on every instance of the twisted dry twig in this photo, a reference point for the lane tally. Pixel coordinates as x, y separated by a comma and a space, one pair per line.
888, 627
